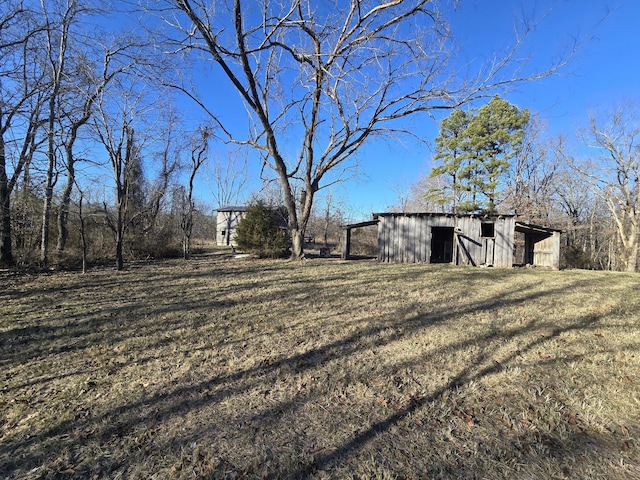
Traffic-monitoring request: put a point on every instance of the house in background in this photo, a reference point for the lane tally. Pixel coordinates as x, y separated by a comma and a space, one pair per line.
227, 221
475, 240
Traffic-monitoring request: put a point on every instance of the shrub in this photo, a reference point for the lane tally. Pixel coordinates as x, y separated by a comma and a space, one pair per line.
575, 257
259, 232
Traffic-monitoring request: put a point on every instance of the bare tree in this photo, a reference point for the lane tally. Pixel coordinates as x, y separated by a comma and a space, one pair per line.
89, 81
402, 191
198, 149
58, 30
327, 217
83, 229
326, 220
418, 201
332, 77
131, 123
615, 176
22, 95
532, 176
115, 128
168, 158
227, 179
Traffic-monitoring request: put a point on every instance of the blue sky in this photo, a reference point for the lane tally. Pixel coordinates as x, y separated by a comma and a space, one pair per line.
603, 72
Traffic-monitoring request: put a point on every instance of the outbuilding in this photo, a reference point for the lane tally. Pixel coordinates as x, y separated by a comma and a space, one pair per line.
476, 240
228, 219
541, 245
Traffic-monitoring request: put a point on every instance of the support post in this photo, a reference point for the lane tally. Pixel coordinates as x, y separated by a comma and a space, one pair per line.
346, 244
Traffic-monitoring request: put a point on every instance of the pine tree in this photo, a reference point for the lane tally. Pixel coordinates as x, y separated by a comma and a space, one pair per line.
495, 136
451, 149
259, 232
476, 149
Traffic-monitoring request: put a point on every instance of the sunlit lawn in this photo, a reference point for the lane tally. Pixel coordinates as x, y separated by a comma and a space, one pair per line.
228, 368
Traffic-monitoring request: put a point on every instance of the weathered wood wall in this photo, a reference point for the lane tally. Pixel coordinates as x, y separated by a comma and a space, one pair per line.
402, 239
541, 245
505, 231
407, 238
546, 251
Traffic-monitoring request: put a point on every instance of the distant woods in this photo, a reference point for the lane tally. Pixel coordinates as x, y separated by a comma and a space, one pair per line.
96, 161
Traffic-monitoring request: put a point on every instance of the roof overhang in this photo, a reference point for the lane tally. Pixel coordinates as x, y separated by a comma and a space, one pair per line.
232, 208
531, 228
368, 223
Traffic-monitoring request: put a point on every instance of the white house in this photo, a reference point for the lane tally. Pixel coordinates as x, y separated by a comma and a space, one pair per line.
227, 222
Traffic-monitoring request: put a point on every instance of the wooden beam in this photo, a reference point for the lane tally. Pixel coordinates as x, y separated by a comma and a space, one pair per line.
346, 243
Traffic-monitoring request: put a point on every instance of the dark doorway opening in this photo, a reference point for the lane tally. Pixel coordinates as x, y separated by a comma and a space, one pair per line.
441, 245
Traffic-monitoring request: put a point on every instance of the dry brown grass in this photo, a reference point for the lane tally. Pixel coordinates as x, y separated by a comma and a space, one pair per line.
218, 368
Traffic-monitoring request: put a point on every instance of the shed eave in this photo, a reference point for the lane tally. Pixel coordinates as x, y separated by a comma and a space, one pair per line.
447, 215
531, 228
367, 223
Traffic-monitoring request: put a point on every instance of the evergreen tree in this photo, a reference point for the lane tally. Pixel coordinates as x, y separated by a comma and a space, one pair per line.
495, 136
475, 149
259, 232
451, 149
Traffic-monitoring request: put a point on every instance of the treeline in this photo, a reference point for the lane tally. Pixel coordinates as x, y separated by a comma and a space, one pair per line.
95, 161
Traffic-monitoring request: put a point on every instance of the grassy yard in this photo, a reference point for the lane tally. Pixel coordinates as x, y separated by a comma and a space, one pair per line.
220, 368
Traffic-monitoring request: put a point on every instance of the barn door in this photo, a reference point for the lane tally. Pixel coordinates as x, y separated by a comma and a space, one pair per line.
488, 251
488, 235
441, 245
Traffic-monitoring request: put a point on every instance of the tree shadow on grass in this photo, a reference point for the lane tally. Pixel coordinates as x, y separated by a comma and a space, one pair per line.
462, 379
152, 410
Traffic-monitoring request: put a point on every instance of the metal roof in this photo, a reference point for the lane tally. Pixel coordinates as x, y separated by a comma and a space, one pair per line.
232, 208
436, 214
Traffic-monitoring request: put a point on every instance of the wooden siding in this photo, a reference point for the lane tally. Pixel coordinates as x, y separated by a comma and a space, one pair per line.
470, 244
546, 251
541, 245
503, 254
407, 238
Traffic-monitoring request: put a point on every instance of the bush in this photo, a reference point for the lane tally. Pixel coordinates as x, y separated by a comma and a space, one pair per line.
575, 257
259, 232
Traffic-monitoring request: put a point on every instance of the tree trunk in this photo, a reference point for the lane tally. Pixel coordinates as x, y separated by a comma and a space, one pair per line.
187, 229
119, 257
63, 211
632, 261
298, 226
186, 246
325, 233
295, 232
51, 166
6, 253
46, 212
57, 65
632, 252
297, 250
65, 201
119, 241
83, 236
